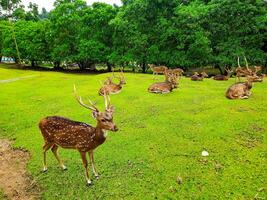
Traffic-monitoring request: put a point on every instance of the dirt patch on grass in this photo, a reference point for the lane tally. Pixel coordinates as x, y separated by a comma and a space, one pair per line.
14, 181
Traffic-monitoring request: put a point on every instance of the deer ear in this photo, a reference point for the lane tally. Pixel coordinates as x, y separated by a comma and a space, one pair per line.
95, 114
111, 109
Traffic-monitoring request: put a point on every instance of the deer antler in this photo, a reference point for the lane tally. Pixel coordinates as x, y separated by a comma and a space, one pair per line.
228, 70
246, 62
238, 62
80, 101
107, 101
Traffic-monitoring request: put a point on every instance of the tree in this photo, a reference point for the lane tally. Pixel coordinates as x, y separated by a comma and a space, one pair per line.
64, 31
95, 38
237, 28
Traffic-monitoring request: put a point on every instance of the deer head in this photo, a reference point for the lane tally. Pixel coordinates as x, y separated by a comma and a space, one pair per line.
171, 78
104, 119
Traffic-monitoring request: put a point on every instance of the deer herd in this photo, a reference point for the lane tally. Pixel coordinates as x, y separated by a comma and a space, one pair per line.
65, 133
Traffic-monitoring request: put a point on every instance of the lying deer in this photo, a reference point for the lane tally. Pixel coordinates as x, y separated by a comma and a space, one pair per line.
256, 69
221, 77
164, 87
240, 90
62, 132
157, 69
178, 71
256, 78
109, 87
199, 77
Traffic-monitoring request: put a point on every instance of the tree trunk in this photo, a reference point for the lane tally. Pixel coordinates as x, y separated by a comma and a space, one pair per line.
32, 63
56, 65
144, 67
218, 67
109, 66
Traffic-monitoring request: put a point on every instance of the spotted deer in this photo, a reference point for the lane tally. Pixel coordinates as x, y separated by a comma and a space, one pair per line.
221, 77
109, 87
178, 71
256, 78
62, 132
256, 69
199, 77
240, 90
157, 69
165, 87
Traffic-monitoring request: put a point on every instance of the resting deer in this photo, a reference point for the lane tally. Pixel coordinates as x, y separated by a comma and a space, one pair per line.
199, 77
240, 90
256, 69
164, 87
62, 132
221, 77
242, 71
157, 69
178, 71
112, 88
256, 78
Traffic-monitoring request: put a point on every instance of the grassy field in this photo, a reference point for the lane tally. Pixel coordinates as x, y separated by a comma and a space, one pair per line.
161, 137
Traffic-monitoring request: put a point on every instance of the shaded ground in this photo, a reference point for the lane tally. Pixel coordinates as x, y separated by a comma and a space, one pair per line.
13, 176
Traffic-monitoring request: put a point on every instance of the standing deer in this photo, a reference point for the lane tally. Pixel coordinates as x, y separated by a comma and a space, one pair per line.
199, 77
62, 132
221, 77
240, 90
112, 88
157, 69
164, 87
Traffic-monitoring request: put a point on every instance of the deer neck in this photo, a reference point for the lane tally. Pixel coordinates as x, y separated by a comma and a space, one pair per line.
100, 135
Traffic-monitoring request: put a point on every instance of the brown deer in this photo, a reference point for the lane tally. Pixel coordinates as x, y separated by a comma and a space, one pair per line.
240, 90
221, 77
178, 71
164, 87
256, 69
199, 77
157, 69
62, 132
112, 88
242, 71
256, 78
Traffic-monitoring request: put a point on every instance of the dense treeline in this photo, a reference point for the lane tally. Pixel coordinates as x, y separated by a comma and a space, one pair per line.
175, 33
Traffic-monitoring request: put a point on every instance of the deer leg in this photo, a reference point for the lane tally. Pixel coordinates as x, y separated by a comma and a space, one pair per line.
91, 155
153, 75
54, 150
85, 164
46, 147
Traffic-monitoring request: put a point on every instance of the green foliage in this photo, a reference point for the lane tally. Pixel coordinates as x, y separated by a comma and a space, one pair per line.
175, 33
30, 38
160, 137
237, 28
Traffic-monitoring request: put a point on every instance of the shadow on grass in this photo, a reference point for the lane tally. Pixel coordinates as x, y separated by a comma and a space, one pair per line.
61, 70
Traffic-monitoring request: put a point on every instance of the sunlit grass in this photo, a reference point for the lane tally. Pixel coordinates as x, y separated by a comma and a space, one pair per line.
161, 137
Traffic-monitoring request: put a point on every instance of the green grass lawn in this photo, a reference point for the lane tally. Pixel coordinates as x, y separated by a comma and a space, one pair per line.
160, 137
